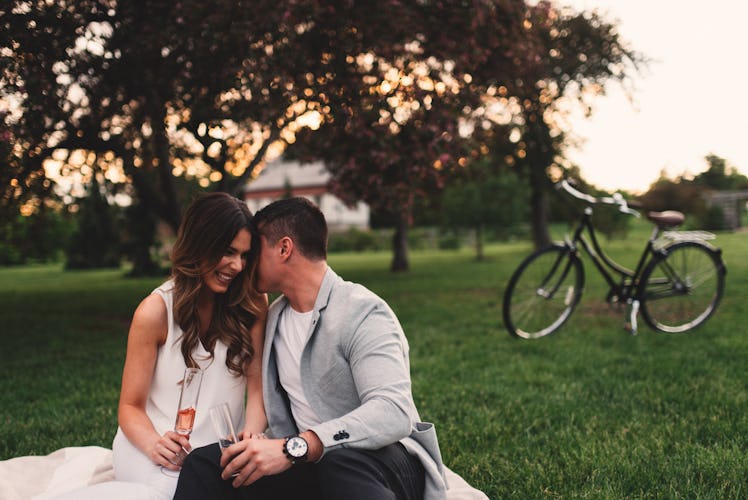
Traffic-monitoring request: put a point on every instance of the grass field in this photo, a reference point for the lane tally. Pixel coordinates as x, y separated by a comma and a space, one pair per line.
590, 412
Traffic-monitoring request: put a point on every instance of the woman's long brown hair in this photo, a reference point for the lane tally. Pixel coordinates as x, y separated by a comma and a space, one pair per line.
208, 228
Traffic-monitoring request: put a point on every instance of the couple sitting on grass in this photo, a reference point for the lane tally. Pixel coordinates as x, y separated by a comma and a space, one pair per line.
324, 372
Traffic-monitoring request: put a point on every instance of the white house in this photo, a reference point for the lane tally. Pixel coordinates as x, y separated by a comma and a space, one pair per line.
309, 180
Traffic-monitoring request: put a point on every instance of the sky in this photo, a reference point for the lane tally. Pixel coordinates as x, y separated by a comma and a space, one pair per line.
691, 101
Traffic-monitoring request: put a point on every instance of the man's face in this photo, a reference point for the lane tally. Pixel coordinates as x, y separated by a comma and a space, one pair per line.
267, 267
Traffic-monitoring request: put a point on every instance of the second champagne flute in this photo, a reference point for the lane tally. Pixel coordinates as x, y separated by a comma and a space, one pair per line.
220, 416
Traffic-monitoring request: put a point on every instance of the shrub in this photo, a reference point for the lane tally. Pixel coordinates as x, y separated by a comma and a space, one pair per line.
712, 218
449, 242
357, 240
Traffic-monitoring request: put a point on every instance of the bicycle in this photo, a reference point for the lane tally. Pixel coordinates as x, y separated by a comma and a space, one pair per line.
676, 285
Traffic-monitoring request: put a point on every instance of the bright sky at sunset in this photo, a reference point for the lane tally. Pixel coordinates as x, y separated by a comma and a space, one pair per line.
691, 101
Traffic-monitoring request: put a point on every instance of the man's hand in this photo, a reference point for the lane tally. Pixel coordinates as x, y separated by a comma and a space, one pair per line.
253, 459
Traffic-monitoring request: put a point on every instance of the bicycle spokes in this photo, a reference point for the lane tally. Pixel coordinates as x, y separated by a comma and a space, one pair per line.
682, 288
678, 278
542, 292
553, 277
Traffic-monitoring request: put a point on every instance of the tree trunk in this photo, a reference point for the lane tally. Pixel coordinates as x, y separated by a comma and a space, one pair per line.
539, 157
141, 228
143, 264
171, 207
539, 213
400, 245
479, 242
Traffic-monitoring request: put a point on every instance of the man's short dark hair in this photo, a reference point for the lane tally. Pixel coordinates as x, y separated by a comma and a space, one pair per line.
299, 219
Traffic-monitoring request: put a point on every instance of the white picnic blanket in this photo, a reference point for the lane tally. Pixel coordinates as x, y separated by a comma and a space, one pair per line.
44, 477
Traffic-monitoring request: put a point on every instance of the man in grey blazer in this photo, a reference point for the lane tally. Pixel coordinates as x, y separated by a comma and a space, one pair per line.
342, 423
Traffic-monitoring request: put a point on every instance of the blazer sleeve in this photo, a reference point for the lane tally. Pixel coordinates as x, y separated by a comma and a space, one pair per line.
377, 354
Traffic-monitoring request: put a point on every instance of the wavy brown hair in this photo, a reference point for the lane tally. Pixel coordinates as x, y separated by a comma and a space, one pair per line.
208, 228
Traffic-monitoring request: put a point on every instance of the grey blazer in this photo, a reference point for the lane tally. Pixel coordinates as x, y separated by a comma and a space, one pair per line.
355, 373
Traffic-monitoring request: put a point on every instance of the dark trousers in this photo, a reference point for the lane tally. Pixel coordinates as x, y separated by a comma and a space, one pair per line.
390, 473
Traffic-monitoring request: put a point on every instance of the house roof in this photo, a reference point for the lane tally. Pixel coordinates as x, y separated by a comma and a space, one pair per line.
280, 173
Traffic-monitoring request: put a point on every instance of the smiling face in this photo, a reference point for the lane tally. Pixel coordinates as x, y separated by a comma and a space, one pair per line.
267, 266
233, 262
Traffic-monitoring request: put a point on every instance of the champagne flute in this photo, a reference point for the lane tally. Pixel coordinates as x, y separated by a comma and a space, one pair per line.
185, 420
188, 401
220, 416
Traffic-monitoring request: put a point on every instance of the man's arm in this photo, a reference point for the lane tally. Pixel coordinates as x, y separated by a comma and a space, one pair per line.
379, 408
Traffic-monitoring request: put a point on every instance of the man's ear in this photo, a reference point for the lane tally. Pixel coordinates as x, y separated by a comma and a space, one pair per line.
286, 247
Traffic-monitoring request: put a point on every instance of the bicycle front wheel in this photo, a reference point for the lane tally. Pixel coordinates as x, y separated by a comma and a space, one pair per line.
542, 292
682, 287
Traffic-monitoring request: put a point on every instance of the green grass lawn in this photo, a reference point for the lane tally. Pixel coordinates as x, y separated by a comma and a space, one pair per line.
590, 412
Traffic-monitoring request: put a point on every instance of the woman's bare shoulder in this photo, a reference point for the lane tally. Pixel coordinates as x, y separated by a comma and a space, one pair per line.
150, 318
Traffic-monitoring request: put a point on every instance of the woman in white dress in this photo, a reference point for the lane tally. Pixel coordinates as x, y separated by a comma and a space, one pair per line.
208, 315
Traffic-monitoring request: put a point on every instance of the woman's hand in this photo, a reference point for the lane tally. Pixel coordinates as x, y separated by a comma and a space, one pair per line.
170, 450
251, 435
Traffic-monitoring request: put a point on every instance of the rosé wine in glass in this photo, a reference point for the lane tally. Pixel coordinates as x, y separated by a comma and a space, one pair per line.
185, 421
188, 400
188, 395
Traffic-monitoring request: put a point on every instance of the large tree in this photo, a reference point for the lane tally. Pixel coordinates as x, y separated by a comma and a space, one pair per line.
478, 78
398, 115
156, 89
29, 47
100, 86
153, 91
573, 56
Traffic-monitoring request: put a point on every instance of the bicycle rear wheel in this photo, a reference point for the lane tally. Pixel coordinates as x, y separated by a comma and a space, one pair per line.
542, 292
682, 286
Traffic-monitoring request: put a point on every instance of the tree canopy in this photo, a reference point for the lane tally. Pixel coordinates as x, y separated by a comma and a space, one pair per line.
576, 54
160, 99
437, 107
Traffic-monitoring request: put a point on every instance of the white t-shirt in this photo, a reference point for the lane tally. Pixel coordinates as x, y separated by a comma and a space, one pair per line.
294, 330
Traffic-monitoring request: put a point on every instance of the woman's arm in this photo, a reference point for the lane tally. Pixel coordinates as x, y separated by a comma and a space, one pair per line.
147, 332
255, 419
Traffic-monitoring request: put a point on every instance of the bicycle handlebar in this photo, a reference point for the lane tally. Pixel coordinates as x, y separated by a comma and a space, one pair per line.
615, 199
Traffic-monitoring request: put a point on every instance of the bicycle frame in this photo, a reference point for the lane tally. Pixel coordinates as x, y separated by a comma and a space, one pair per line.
623, 283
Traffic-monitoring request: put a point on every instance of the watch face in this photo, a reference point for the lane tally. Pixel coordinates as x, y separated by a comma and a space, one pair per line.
297, 447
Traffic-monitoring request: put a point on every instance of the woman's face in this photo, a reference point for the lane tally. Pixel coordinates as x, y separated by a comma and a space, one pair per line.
231, 264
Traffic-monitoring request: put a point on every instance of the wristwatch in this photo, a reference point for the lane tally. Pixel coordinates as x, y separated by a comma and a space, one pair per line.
296, 448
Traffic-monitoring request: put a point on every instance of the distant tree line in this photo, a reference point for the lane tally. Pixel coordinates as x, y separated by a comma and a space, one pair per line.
687, 193
479, 206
